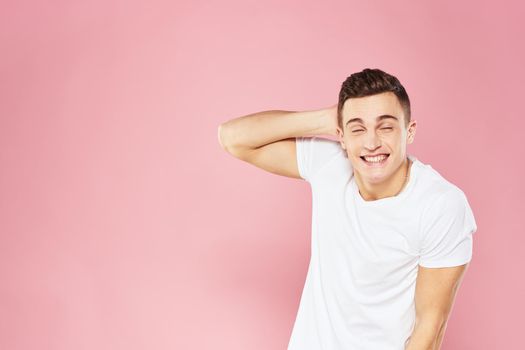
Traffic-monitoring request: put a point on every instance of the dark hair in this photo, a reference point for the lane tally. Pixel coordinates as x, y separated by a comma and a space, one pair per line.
370, 82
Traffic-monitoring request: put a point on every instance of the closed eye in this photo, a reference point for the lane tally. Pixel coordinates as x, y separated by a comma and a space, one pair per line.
385, 128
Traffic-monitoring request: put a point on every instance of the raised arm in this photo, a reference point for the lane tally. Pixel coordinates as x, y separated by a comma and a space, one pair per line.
267, 139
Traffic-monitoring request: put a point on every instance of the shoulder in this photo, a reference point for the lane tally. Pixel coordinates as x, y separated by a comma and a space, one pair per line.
435, 187
450, 202
317, 155
439, 198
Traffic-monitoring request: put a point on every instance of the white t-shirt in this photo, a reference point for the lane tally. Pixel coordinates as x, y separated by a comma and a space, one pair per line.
360, 285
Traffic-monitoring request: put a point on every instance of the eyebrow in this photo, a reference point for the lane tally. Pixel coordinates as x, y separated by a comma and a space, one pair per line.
381, 117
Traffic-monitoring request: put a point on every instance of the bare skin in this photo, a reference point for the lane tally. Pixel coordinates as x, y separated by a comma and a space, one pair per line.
267, 139
366, 130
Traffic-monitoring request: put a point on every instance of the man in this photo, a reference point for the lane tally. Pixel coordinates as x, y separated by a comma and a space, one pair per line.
391, 238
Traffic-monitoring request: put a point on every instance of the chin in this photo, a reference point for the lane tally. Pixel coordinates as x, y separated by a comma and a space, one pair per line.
376, 179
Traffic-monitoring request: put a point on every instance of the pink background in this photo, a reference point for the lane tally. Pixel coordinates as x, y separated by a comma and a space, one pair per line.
124, 225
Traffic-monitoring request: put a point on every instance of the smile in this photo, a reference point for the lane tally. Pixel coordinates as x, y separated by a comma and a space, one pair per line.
376, 160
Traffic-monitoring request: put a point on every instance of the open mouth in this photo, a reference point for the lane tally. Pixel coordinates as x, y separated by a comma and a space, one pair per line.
375, 161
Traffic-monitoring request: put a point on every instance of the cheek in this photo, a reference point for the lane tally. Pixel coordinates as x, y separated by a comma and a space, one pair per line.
352, 147
394, 140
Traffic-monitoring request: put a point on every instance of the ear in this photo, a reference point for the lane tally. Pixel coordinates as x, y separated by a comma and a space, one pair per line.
411, 132
341, 135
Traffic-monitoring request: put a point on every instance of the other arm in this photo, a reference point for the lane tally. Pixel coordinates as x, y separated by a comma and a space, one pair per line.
436, 290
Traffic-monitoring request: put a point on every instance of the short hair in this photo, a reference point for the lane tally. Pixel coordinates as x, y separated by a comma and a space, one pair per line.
370, 82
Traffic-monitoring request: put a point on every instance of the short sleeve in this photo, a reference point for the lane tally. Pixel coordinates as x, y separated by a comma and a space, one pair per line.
447, 228
313, 153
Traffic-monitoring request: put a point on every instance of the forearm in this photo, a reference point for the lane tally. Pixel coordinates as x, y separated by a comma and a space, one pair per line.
439, 340
259, 129
426, 336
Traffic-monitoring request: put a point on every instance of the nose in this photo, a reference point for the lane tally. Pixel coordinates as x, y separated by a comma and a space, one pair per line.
372, 141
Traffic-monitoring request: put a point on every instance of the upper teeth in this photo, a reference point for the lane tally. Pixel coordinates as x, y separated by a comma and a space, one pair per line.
375, 159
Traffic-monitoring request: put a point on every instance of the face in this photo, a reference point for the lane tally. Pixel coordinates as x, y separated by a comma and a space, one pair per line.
375, 125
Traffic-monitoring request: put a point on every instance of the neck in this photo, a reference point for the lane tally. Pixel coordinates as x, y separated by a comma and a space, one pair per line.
388, 188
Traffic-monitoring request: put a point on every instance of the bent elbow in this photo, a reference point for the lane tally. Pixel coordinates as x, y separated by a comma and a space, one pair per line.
220, 137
